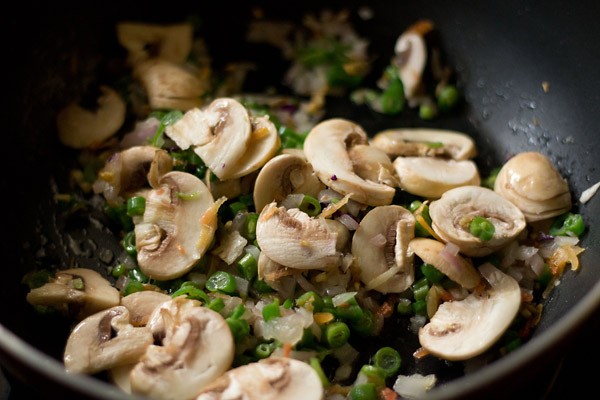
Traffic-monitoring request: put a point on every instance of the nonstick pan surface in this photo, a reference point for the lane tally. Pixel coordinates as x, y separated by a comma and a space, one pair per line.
502, 53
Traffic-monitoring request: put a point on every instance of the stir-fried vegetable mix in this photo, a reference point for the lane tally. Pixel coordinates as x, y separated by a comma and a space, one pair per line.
261, 242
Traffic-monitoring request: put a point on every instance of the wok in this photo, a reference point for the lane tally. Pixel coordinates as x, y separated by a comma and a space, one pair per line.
501, 51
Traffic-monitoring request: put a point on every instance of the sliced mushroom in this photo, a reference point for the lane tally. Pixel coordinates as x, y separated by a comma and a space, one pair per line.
196, 348
411, 58
531, 182
327, 148
142, 304
452, 214
177, 227
262, 146
380, 249
452, 265
293, 239
166, 42
431, 177
105, 340
78, 291
80, 128
219, 134
283, 175
372, 164
169, 85
269, 379
463, 329
128, 171
421, 142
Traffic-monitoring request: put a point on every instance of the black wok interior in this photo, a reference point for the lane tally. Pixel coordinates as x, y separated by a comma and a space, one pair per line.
501, 51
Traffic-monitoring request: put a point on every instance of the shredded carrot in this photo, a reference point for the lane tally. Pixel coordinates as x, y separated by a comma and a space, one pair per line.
420, 353
426, 226
287, 349
387, 394
526, 297
323, 317
385, 310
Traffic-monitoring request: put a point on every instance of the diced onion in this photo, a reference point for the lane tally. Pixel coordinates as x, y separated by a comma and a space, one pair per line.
414, 386
292, 200
348, 222
342, 298
588, 193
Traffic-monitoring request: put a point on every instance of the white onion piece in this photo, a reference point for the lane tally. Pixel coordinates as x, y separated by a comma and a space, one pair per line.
292, 201
525, 252
242, 285
348, 222
536, 262
342, 298
414, 386
587, 194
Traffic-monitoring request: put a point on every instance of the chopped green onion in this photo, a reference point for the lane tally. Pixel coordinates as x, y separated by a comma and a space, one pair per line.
216, 304
432, 274
336, 334
188, 196
238, 311
404, 306
420, 307
271, 311
133, 286
137, 275
482, 228
310, 205
311, 301
388, 359
264, 350
128, 243
363, 391
567, 224
261, 287
420, 289
248, 266
77, 283
546, 276
288, 304
373, 374
365, 324
316, 364
490, 181
118, 270
36, 279
417, 208
136, 205
221, 281
166, 119
192, 293
240, 328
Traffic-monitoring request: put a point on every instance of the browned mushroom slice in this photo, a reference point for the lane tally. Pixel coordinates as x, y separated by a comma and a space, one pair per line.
269, 379
167, 42
283, 175
142, 304
463, 329
80, 128
452, 214
532, 183
78, 291
105, 340
293, 239
453, 266
130, 170
196, 348
328, 148
177, 227
380, 249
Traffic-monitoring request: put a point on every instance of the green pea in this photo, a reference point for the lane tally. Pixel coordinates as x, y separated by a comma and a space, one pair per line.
567, 224
482, 228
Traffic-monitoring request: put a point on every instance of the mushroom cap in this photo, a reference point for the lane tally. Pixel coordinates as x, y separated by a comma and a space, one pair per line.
411, 51
531, 182
169, 85
282, 175
80, 128
175, 231
387, 268
372, 164
97, 294
463, 329
142, 304
453, 212
454, 267
264, 142
268, 379
327, 149
431, 177
197, 348
169, 42
293, 239
92, 346
419, 142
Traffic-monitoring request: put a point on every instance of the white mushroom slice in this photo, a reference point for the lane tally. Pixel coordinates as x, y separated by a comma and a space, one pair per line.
451, 216
170, 86
411, 56
80, 128
270, 379
531, 182
93, 345
142, 304
463, 329
177, 227
197, 348
327, 148
420, 142
95, 293
264, 142
431, 177
380, 249
167, 42
452, 265
128, 171
372, 164
283, 175
293, 239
